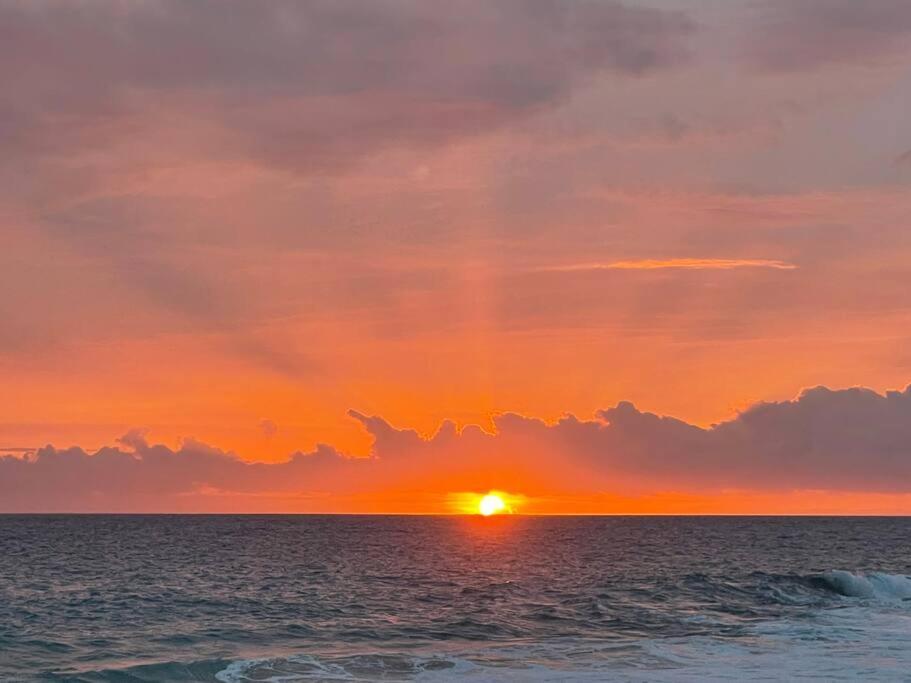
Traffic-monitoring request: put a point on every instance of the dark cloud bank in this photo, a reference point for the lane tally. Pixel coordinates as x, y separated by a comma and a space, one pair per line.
808, 34
839, 440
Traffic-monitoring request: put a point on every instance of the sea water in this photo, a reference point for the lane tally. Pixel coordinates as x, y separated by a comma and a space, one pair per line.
507, 598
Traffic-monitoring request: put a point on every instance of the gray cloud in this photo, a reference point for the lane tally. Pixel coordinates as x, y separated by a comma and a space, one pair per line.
98, 95
805, 34
140, 476
308, 84
849, 440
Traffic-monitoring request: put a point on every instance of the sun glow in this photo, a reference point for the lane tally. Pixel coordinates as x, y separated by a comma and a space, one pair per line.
485, 503
491, 504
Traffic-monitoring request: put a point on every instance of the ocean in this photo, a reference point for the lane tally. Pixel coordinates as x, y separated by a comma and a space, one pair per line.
506, 598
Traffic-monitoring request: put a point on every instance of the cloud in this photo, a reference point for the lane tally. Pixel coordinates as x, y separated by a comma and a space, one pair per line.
140, 476
814, 33
680, 263
852, 440
309, 85
103, 98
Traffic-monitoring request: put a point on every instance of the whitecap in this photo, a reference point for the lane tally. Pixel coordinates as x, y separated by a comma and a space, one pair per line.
873, 585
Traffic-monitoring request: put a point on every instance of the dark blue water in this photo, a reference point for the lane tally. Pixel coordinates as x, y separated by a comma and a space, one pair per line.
233, 598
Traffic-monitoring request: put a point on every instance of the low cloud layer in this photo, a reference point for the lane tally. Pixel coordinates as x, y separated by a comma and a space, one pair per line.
851, 440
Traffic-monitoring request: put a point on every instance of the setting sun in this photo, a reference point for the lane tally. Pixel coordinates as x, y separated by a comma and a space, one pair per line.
486, 504
491, 504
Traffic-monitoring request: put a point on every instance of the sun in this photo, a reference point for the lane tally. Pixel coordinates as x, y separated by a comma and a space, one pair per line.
486, 504
491, 504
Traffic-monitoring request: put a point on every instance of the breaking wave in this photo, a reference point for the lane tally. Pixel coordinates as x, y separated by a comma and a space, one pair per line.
872, 585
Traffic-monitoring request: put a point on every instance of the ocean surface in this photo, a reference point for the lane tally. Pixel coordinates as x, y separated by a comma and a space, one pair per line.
508, 598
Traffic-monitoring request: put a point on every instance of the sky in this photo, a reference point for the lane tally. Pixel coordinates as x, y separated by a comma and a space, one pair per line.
333, 256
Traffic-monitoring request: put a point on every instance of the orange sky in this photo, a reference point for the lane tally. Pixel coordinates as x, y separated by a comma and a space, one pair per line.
438, 214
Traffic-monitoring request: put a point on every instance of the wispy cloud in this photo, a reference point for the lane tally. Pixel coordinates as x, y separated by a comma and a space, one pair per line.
679, 263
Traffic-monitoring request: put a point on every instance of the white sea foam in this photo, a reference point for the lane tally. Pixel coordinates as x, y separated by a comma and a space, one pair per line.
854, 643
873, 585
864, 635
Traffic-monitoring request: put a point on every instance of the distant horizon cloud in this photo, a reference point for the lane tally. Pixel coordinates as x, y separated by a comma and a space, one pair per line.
849, 440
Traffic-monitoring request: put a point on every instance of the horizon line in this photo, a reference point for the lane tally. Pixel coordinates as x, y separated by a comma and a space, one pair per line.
446, 514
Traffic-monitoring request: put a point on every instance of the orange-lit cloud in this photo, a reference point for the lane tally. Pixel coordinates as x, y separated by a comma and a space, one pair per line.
624, 460
682, 263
